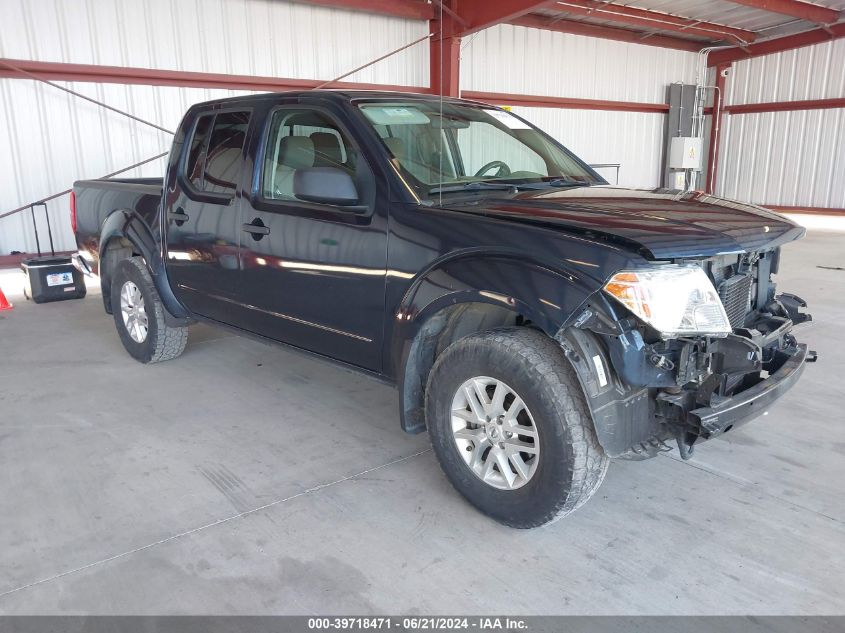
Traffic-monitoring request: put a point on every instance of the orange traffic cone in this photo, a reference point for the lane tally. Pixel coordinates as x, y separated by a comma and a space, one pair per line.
4, 302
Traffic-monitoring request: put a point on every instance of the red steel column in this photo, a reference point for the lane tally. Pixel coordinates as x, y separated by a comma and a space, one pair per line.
716, 127
445, 57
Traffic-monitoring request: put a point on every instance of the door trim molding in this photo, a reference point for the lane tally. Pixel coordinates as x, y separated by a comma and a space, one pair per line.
280, 315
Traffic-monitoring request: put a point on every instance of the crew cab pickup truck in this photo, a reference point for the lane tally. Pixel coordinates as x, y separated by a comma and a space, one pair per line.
536, 321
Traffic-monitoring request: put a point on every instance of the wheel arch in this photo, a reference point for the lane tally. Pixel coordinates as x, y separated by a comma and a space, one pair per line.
125, 234
465, 295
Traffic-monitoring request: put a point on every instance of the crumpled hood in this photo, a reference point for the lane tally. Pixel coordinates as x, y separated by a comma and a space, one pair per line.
659, 223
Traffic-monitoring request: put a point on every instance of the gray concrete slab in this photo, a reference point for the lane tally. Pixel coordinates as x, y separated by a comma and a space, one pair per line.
242, 478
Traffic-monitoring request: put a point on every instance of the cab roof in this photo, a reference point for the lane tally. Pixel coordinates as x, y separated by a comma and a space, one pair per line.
338, 96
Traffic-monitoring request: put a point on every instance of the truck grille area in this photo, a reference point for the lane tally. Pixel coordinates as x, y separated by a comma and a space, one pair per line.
735, 293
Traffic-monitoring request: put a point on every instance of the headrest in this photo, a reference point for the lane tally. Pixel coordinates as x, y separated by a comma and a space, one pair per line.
222, 167
327, 148
396, 146
296, 152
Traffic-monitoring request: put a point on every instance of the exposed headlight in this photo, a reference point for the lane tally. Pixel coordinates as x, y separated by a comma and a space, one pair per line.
674, 300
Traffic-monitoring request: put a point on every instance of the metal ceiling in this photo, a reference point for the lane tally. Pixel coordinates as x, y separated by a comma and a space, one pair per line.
645, 17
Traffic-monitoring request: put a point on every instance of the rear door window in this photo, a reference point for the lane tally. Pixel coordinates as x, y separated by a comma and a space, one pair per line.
215, 156
196, 155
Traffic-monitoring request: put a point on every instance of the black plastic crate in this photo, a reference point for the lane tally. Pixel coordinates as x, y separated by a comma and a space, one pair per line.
50, 278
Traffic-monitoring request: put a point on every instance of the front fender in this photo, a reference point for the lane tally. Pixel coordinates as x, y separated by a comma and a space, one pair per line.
125, 225
514, 290
541, 295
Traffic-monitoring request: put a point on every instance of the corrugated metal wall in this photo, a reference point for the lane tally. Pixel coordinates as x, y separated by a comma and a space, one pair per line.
632, 139
241, 37
48, 139
515, 59
786, 158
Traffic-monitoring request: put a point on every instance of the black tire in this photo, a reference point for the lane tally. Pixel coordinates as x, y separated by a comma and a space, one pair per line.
571, 463
162, 342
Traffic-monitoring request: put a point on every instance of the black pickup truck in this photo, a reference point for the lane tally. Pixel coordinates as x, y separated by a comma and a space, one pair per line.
536, 321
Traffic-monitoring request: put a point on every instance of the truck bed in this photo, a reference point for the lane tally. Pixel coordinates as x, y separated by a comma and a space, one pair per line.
96, 200
124, 184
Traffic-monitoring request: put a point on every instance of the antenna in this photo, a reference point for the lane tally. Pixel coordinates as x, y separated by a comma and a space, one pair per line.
440, 135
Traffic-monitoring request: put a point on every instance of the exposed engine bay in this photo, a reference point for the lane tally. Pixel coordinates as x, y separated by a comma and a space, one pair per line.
647, 389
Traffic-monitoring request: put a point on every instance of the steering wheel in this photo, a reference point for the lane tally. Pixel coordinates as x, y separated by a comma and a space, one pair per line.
504, 170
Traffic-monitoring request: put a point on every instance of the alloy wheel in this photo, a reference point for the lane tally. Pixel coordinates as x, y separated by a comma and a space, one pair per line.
133, 311
495, 433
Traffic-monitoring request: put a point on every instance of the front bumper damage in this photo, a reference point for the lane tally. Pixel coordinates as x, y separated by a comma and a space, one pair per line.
701, 414
643, 394
731, 412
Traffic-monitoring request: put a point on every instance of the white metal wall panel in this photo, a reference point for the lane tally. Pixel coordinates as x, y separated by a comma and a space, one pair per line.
784, 158
240, 37
522, 60
633, 139
811, 72
48, 139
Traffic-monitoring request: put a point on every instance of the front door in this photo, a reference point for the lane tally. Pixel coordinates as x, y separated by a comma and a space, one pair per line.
202, 216
313, 274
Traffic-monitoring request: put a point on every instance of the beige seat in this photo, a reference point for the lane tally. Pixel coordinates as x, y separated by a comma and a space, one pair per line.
422, 171
327, 150
295, 152
397, 147
222, 168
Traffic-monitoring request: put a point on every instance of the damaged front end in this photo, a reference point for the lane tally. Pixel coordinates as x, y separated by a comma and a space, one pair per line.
645, 388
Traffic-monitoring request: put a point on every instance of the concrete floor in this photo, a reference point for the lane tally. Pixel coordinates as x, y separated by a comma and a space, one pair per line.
241, 478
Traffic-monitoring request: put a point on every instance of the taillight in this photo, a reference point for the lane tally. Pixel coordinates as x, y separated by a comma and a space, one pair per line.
73, 211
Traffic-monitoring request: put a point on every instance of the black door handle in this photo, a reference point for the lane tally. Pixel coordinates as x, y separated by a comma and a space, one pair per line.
179, 216
257, 229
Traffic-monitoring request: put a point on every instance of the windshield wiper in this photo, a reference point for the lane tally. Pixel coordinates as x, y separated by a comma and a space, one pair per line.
512, 187
557, 182
476, 186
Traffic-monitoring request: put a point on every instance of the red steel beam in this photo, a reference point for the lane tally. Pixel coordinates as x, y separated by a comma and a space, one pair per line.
144, 76
537, 101
606, 32
786, 106
184, 79
795, 9
653, 19
445, 56
410, 9
482, 14
778, 44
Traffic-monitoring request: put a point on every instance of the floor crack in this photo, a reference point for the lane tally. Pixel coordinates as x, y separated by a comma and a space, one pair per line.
751, 484
200, 528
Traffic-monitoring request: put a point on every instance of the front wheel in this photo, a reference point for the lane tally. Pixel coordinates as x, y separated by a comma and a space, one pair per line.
139, 315
511, 429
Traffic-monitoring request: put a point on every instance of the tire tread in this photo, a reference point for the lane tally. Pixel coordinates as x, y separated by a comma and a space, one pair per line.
169, 342
545, 358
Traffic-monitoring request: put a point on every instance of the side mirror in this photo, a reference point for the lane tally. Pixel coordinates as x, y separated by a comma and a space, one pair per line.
325, 185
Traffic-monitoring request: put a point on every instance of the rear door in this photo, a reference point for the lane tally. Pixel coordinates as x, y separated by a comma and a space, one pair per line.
202, 215
314, 274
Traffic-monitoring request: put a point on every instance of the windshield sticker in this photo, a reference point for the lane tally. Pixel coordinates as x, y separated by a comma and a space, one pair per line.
508, 119
395, 115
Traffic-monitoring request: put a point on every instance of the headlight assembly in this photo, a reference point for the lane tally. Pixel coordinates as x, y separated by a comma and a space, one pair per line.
674, 300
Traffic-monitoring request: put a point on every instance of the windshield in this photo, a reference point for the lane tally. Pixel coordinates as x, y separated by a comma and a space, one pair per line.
471, 149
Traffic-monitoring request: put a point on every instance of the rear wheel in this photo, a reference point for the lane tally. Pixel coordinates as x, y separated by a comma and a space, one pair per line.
139, 315
511, 429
